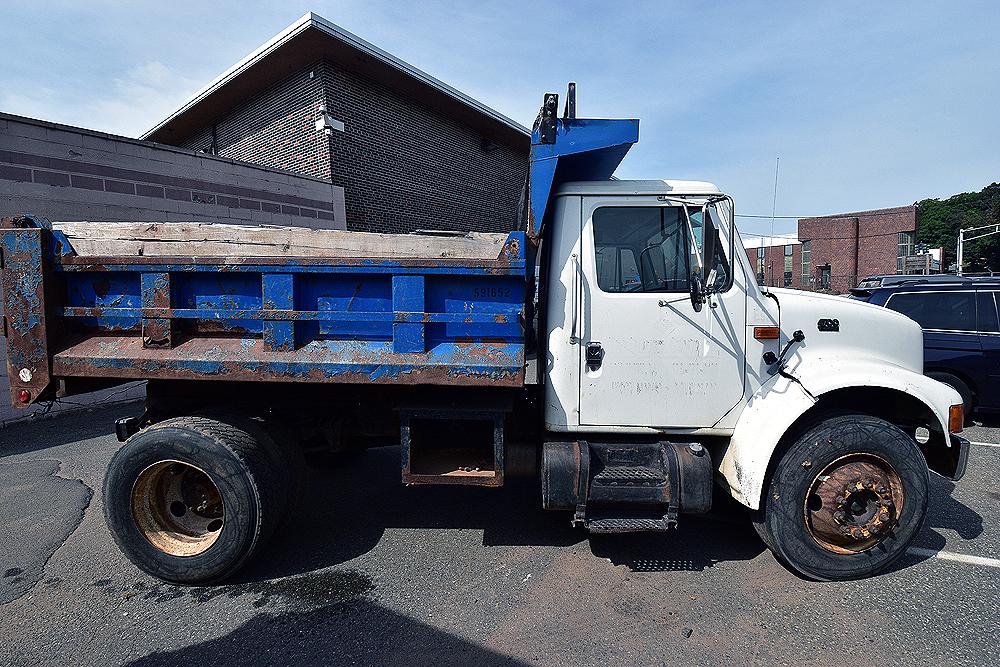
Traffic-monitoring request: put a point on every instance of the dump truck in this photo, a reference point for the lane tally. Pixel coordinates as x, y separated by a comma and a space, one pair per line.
615, 345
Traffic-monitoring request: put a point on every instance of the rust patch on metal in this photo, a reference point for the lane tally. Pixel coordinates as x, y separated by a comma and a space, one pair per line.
250, 360
854, 503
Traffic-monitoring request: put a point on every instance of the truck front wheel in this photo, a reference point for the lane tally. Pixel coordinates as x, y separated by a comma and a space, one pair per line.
846, 499
190, 499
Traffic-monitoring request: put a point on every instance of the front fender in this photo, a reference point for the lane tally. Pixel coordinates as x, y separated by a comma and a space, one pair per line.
779, 402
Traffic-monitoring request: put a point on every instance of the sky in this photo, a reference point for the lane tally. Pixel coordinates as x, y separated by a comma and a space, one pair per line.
867, 104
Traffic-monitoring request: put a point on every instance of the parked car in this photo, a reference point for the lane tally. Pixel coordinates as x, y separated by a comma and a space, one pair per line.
872, 282
961, 333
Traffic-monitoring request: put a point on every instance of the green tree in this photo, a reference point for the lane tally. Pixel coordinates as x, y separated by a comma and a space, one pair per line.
940, 221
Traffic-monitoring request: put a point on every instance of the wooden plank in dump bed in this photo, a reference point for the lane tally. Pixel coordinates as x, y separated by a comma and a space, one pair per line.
193, 239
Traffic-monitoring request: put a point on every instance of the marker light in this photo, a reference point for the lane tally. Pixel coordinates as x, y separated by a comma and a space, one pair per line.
24, 396
956, 418
766, 333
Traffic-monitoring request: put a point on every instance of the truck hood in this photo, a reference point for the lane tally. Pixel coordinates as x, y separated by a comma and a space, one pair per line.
863, 330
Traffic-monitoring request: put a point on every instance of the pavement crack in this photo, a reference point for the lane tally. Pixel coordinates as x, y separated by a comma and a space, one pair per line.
35, 535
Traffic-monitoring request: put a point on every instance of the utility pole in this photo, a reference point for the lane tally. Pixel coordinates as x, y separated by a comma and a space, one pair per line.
978, 233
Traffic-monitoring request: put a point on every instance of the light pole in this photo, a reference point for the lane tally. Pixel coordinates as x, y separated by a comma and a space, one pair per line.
979, 233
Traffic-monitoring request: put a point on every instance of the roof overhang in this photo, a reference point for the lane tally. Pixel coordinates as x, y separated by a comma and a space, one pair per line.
313, 38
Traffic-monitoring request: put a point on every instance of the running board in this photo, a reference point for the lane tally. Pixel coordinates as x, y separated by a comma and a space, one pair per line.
630, 525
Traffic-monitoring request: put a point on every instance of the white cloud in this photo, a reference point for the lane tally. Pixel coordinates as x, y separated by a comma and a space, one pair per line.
129, 106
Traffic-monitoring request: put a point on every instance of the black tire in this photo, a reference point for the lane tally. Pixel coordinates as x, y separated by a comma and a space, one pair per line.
245, 480
285, 454
839, 444
958, 385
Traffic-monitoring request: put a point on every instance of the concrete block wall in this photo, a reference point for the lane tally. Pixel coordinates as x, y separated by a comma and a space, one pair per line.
402, 164
67, 173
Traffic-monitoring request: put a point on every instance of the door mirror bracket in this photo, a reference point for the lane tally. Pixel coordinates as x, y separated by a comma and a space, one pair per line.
696, 284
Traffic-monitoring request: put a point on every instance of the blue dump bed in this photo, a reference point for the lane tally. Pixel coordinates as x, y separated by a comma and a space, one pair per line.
293, 319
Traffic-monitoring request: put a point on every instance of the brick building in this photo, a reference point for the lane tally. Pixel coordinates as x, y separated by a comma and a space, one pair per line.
410, 151
777, 261
834, 252
844, 248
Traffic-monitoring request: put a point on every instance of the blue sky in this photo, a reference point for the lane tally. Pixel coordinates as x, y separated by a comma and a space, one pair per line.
867, 104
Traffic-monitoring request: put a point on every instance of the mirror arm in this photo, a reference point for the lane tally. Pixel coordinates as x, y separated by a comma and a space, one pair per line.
694, 241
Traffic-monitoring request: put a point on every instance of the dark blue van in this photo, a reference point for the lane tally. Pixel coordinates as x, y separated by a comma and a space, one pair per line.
961, 329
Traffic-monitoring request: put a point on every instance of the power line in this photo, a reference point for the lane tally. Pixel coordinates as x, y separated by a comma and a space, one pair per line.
783, 217
826, 238
831, 216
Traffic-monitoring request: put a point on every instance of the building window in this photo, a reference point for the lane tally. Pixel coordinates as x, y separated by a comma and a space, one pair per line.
904, 242
788, 265
806, 261
760, 265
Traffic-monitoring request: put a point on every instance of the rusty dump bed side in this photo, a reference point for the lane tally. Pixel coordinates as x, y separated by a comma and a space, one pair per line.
273, 305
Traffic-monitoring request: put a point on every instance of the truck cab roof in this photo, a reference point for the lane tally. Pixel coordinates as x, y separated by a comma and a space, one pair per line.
639, 187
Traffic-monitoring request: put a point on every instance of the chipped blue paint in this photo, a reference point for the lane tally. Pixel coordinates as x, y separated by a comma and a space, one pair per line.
298, 319
353, 361
24, 307
586, 149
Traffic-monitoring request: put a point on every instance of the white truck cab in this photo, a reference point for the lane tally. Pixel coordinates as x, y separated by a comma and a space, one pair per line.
650, 332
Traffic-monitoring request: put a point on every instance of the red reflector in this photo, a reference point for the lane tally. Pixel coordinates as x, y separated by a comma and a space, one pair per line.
23, 396
766, 333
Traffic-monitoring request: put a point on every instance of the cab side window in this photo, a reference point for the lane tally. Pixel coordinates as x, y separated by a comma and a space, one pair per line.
641, 249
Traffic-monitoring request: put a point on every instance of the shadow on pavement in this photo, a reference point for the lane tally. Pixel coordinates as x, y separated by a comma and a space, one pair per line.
944, 511
985, 419
341, 519
345, 510
358, 632
697, 544
32, 435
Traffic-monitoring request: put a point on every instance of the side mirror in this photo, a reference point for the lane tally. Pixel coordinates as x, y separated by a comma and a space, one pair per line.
696, 285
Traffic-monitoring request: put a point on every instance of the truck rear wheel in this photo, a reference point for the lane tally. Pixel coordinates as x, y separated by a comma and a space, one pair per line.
190, 499
846, 499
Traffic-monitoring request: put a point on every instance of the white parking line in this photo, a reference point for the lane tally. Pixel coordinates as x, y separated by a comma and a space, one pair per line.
950, 555
984, 444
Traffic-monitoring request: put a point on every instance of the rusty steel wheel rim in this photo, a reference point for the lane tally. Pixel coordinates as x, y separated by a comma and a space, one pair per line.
177, 508
854, 503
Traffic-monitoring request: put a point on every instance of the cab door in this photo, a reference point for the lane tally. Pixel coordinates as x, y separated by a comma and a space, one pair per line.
648, 358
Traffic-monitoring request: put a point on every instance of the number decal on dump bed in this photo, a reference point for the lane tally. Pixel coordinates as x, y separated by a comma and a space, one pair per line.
490, 292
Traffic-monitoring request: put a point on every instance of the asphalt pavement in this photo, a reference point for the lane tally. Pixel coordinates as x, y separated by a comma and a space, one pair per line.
370, 572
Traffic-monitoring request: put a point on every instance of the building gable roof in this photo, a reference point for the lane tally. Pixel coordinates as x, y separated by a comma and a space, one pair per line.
312, 38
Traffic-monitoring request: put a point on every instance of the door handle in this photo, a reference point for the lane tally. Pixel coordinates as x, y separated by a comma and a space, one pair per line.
595, 355
575, 296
